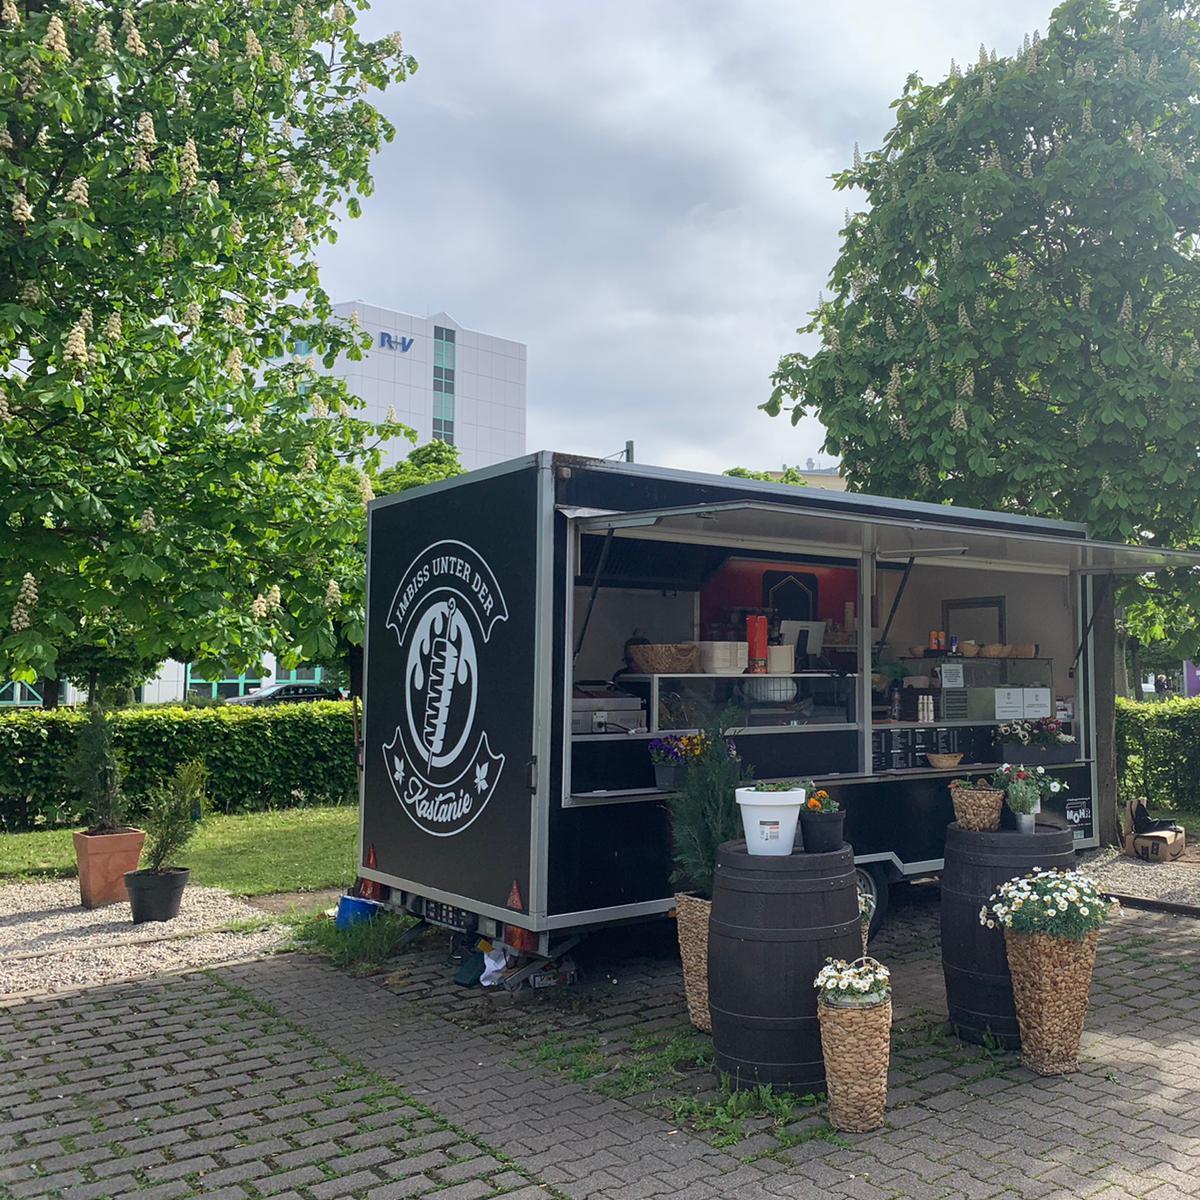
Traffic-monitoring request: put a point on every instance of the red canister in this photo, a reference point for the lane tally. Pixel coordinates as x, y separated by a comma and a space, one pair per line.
756, 636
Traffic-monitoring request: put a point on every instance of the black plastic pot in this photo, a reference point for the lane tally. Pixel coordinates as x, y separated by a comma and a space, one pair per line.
822, 831
155, 895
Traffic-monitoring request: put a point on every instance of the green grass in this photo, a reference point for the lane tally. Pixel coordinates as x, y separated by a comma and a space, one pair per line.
363, 947
249, 854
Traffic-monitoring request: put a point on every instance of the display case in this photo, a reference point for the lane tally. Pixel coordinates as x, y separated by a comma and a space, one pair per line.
771, 702
982, 689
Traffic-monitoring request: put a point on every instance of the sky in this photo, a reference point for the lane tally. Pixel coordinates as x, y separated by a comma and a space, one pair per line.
639, 191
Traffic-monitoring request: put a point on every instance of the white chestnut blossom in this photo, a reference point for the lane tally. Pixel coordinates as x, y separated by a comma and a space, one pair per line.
958, 421
235, 314
133, 39
396, 41
319, 407
237, 231
55, 39
253, 45
339, 13
239, 99
169, 250
233, 364
300, 230
259, 607
112, 327
102, 43
274, 599
76, 349
31, 293
5, 411
144, 133
189, 165
343, 409
22, 210
275, 63
77, 193
390, 416
9, 13
27, 598
1125, 316
310, 461
365, 490
6, 141
214, 188
147, 523
333, 594
212, 48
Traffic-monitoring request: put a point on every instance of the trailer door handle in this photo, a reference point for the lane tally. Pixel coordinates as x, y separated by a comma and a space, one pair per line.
533, 774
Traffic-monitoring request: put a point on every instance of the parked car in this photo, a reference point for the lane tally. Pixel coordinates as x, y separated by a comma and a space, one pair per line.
286, 693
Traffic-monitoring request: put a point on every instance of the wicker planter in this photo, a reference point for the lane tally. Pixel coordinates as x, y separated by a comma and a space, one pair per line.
1051, 978
691, 921
977, 808
856, 1040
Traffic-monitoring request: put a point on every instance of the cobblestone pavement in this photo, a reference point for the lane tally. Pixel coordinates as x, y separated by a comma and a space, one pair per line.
287, 1079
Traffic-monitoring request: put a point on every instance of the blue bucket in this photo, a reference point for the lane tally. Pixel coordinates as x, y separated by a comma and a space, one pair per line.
351, 910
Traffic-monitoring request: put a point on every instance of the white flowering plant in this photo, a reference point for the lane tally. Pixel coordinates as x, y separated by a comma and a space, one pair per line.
1026, 787
1047, 731
1066, 904
863, 978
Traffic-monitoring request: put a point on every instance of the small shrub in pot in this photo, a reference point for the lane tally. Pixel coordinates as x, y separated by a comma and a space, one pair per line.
173, 811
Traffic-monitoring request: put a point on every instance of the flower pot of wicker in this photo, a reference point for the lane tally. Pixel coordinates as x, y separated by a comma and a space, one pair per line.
854, 1008
691, 924
977, 806
1051, 922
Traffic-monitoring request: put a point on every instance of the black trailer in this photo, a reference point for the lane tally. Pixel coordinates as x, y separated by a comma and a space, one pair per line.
507, 783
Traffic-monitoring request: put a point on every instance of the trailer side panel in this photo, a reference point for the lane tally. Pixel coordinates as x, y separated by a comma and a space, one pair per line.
448, 742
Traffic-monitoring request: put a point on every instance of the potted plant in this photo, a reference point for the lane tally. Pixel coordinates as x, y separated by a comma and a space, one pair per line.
671, 757
172, 814
1040, 741
822, 823
769, 814
108, 847
703, 815
977, 805
1051, 921
854, 1009
1025, 788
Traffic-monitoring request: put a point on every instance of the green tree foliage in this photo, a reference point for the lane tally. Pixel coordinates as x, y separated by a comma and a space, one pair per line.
1014, 316
787, 475
430, 463
95, 773
169, 452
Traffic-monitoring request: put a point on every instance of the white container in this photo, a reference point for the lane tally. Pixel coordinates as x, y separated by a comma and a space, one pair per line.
781, 660
724, 658
769, 819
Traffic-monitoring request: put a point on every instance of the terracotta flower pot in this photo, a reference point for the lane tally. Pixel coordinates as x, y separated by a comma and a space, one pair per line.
103, 859
1051, 979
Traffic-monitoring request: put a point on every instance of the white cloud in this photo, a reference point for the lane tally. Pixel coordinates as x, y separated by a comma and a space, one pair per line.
640, 192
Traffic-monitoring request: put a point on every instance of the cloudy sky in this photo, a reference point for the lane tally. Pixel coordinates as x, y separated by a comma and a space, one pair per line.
639, 191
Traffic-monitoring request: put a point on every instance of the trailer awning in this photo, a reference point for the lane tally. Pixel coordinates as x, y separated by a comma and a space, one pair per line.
755, 524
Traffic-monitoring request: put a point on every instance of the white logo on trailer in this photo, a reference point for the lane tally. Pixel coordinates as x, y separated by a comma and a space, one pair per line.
441, 767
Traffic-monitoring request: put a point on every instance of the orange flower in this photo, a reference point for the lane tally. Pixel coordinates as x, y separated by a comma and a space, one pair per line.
814, 803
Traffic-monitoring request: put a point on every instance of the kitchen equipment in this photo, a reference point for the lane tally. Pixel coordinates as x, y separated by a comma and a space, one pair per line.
602, 707
770, 690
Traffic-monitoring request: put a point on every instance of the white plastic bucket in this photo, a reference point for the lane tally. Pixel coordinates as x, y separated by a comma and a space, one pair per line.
769, 819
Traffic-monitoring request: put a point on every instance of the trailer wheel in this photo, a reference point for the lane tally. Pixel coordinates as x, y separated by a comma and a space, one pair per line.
873, 880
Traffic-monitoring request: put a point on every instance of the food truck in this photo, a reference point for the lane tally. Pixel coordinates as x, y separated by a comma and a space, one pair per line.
533, 627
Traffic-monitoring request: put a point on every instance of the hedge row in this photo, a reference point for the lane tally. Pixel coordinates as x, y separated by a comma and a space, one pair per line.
259, 758
1158, 751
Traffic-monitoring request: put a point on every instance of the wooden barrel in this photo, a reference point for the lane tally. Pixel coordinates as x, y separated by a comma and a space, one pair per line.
774, 922
978, 986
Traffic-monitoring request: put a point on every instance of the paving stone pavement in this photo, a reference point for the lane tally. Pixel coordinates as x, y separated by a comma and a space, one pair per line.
287, 1079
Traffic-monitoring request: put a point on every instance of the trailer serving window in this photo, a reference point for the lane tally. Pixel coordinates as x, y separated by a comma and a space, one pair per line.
687, 575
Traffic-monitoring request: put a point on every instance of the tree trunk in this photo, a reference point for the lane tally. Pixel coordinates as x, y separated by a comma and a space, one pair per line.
1104, 678
49, 688
354, 667
1135, 669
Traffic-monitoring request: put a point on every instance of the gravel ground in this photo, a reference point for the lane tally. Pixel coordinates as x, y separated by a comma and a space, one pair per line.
48, 942
1176, 882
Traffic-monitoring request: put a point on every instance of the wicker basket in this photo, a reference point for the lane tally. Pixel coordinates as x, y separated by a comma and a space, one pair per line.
667, 658
691, 921
1051, 978
856, 1040
977, 808
993, 650
944, 762
969, 649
